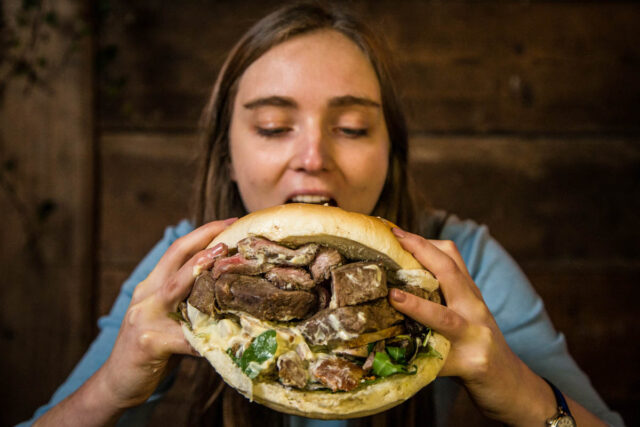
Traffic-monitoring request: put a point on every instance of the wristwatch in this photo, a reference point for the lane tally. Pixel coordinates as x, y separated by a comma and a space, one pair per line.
563, 417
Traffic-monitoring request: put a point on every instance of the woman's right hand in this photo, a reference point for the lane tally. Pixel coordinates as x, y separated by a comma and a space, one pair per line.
148, 337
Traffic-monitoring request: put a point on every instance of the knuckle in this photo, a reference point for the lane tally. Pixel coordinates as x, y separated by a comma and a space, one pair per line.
482, 356
449, 246
132, 315
146, 341
448, 267
450, 320
170, 288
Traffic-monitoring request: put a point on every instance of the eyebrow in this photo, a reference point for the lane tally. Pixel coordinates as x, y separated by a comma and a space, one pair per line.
349, 100
273, 101
285, 102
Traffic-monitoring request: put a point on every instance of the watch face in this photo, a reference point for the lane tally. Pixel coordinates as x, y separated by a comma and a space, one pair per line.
566, 421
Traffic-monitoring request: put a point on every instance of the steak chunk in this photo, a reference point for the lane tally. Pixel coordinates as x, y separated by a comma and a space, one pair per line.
291, 370
261, 299
202, 293
357, 282
289, 278
345, 323
338, 374
267, 251
325, 260
238, 264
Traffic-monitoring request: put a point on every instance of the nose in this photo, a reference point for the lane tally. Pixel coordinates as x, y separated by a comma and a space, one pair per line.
314, 151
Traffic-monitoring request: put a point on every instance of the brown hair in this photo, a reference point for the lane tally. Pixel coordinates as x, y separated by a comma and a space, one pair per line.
216, 195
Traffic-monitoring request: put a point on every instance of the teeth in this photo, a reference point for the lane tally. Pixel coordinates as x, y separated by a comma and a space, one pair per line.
308, 198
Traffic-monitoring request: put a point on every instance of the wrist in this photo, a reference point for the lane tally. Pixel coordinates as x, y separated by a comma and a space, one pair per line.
99, 401
535, 404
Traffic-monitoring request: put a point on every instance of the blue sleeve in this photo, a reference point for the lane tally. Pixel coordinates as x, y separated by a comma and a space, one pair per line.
109, 326
521, 316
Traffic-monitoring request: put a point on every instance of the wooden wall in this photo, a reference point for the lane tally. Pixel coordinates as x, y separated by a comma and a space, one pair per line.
524, 116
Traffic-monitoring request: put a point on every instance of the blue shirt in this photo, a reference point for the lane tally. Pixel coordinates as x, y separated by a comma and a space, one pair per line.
517, 308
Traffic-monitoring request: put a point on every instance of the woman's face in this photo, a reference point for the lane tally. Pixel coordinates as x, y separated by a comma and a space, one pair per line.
307, 125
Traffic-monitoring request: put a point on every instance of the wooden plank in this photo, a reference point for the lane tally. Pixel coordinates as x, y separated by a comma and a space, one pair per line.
47, 199
147, 183
464, 66
543, 198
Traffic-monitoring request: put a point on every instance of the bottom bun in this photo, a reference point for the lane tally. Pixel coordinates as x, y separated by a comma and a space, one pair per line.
323, 404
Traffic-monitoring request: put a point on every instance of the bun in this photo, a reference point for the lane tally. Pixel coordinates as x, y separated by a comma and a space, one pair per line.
356, 235
359, 237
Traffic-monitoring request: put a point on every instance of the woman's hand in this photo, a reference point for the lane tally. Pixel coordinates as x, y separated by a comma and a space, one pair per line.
148, 337
498, 381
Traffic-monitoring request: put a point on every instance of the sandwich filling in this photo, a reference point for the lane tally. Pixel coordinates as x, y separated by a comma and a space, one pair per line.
308, 316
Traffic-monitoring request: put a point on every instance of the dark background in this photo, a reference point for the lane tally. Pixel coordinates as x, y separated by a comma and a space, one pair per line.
524, 116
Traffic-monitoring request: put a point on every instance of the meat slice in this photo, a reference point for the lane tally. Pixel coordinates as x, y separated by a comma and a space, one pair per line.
345, 323
338, 374
238, 264
268, 251
290, 278
291, 370
356, 283
258, 297
325, 260
202, 293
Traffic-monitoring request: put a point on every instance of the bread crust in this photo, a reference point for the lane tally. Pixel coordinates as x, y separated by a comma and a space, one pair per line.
298, 223
359, 237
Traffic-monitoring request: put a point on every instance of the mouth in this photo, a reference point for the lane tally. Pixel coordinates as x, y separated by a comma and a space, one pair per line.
313, 199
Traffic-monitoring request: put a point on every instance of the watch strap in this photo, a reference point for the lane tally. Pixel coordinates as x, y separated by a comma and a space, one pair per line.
560, 400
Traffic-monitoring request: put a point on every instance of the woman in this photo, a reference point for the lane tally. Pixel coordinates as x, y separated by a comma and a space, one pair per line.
305, 110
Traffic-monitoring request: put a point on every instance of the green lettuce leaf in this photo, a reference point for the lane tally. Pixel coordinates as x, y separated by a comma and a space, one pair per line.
383, 366
261, 349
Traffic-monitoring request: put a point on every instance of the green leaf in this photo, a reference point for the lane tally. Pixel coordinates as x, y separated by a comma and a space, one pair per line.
398, 354
383, 366
432, 352
261, 349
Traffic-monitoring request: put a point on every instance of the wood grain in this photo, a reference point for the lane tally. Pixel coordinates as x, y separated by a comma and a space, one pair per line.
463, 66
47, 215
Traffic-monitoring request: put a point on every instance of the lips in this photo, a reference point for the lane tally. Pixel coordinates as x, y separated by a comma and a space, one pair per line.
315, 199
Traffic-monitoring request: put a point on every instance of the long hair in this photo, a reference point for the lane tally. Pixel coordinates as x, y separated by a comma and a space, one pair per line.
216, 196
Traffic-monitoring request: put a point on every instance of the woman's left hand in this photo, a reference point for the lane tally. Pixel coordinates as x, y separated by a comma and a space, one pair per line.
497, 380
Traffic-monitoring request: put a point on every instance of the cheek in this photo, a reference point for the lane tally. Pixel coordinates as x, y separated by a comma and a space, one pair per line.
252, 164
368, 166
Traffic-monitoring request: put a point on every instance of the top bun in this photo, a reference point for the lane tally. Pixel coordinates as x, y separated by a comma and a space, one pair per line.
298, 223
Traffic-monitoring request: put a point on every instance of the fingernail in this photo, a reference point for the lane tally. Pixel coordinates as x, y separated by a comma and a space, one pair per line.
398, 232
218, 249
230, 221
397, 295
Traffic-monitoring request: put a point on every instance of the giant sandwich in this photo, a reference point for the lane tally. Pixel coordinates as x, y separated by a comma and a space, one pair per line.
294, 314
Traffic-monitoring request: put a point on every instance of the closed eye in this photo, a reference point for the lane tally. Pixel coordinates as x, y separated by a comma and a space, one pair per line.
353, 132
272, 132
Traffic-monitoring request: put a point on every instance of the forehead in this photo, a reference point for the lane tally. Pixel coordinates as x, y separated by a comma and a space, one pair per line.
317, 65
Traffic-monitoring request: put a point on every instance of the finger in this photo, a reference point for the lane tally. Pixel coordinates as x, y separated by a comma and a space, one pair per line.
179, 284
162, 344
186, 246
450, 248
443, 266
436, 316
